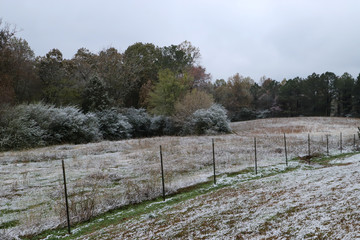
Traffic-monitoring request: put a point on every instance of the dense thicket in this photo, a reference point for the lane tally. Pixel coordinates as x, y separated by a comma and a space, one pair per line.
36, 125
147, 80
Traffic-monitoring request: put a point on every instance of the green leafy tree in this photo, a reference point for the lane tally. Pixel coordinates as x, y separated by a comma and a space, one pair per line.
179, 58
140, 65
7, 91
343, 89
95, 96
109, 68
83, 66
25, 81
18, 79
52, 75
326, 89
313, 98
356, 94
290, 97
167, 92
63, 81
78, 73
346, 89
256, 93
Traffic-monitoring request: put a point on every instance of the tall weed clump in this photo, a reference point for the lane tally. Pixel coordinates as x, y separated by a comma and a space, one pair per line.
208, 121
36, 125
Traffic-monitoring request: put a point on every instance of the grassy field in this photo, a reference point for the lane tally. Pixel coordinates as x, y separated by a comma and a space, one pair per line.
108, 175
317, 201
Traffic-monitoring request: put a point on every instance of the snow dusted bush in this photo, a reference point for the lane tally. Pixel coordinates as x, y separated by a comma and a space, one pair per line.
208, 121
20, 130
37, 125
161, 125
242, 115
139, 120
114, 125
261, 114
70, 125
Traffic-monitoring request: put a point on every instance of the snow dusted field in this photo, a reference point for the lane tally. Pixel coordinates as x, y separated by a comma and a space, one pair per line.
106, 175
308, 203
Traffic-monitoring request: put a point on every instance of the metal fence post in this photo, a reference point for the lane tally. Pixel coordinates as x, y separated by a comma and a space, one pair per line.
286, 157
309, 152
255, 156
327, 144
66, 198
162, 174
341, 147
213, 153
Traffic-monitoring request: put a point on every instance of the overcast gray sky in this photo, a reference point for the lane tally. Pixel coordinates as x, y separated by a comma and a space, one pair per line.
276, 38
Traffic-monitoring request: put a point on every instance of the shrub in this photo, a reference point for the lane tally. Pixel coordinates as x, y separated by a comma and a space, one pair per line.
37, 125
114, 125
263, 114
191, 102
20, 130
208, 121
139, 120
161, 125
70, 125
242, 115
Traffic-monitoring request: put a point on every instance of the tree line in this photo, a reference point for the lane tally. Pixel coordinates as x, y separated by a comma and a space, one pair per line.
165, 81
323, 94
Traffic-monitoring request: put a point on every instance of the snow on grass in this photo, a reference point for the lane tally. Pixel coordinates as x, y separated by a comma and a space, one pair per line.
318, 203
125, 172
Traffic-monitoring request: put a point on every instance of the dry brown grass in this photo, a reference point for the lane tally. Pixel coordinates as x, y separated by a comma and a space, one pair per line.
129, 171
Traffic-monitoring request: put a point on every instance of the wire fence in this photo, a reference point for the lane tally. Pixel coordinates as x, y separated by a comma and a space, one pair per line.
303, 148
97, 183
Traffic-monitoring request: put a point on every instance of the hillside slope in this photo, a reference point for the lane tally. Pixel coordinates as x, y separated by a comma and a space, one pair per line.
115, 174
310, 202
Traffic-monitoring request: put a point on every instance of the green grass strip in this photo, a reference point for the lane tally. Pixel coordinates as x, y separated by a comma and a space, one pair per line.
125, 213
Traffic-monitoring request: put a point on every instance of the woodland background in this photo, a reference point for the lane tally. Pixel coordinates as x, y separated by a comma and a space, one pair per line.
144, 91
163, 80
